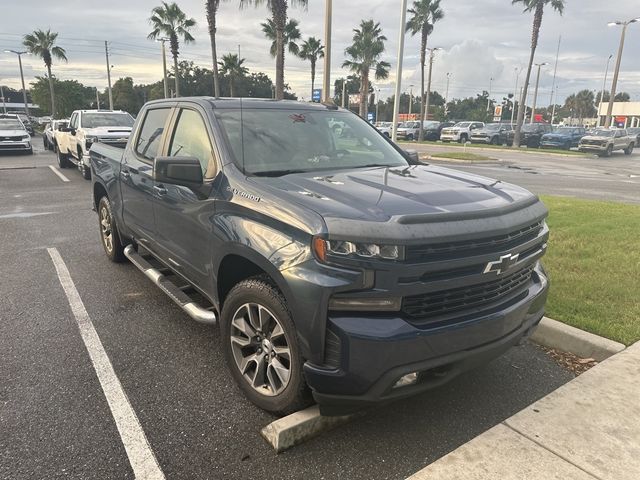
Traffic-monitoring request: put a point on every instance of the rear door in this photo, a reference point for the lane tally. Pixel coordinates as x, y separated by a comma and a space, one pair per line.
184, 218
136, 173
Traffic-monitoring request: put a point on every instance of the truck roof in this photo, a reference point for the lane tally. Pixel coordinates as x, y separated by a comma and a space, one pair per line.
99, 111
231, 103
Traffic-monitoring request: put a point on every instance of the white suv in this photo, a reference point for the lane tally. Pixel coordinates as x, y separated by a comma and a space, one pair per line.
460, 132
86, 127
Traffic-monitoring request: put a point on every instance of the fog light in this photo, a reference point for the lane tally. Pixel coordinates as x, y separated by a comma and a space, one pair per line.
367, 304
407, 380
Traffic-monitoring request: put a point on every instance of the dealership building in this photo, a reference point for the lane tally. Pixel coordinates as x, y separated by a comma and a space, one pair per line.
625, 114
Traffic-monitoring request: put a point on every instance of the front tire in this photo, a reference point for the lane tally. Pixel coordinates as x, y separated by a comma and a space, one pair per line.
109, 232
63, 160
260, 346
609, 151
629, 150
463, 138
84, 170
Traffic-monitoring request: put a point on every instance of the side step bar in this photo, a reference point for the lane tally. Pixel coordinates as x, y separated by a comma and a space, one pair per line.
191, 308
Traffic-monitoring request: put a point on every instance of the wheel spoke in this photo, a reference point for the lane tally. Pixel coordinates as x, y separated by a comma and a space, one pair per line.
264, 318
241, 324
240, 341
259, 377
282, 371
282, 352
277, 332
247, 361
253, 318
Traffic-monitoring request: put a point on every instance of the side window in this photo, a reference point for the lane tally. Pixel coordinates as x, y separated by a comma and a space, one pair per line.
191, 139
150, 136
73, 121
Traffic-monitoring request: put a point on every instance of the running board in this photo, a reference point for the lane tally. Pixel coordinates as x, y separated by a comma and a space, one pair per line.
190, 307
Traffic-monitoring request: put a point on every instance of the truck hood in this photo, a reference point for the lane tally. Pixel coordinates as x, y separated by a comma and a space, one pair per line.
556, 136
596, 138
13, 133
409, 195
108, 131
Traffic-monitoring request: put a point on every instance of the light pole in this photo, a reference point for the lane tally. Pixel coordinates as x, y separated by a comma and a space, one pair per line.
489, 97
432, 52
4, 104
553, 112
446, 96
377, 104
410, 99
106, 53
604, 85
24, 90
396, 103
326, 81
164, 66
607, 122
535, 93
518, 71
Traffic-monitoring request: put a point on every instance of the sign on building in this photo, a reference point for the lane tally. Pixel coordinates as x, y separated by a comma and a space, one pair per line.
317, 95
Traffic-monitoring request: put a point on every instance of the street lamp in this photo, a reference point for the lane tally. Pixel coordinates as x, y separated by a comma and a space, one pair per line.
446, 96
432, 52
518, 71
396, 104
489, 97
24, 90
604, 85
607, 122
535, 94
164, 66
410, 101
377, 104
326, 79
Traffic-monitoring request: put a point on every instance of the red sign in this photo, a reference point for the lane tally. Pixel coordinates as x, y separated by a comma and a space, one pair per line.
538, 118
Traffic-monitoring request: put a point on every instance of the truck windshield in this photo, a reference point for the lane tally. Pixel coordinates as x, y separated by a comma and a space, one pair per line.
95, 120
10, 124
275, 142
603, 133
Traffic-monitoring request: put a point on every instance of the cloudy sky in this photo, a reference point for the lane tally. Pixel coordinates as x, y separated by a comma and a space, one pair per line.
481, 39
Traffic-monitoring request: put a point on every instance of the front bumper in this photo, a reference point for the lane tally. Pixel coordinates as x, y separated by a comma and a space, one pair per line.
15, 146
486, 140
593, 148
376, 351
450, 137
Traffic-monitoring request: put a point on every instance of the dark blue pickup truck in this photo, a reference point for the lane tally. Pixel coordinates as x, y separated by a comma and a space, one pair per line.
337, 266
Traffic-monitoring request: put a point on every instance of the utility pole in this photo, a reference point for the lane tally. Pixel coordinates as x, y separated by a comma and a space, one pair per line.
396, 103
553, 112
604, 86
106, 53
24, 90
410, 99
535, 95
4, 104
489, 97
555, 72
518, 71
326, 78
164, 66
612, 95
432, 52
97, 99
344, 93
377, 104
446, 96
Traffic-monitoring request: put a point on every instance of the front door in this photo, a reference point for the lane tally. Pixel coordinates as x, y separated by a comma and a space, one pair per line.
184, 218
136, 175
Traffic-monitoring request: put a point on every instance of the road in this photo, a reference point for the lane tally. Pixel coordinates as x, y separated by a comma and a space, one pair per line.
55, 421
616, 178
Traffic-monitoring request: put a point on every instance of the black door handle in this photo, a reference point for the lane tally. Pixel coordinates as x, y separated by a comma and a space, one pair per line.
125, 174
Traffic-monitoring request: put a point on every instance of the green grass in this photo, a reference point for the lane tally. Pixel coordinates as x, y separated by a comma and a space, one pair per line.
502, 147
594, 265
472, 157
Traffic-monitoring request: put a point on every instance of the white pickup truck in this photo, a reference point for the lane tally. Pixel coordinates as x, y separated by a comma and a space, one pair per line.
111, 127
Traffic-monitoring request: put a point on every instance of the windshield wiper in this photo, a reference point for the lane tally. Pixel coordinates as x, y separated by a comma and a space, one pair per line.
277, 173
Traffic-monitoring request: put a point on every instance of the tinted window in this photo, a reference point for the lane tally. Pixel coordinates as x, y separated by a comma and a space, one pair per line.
95, 120
10, 124
150, 135
191, 139
73, 123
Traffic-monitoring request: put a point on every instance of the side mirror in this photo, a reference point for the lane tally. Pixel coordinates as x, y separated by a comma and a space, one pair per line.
185, 171
413, 157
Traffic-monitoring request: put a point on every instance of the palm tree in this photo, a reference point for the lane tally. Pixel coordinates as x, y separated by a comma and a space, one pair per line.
168, 20
425, 13
537, 7
42, 44
289, 39
312, 49
365, 53
211, 7
231, 67
279, 17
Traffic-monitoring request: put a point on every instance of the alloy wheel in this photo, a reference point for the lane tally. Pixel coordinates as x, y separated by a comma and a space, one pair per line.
105, 229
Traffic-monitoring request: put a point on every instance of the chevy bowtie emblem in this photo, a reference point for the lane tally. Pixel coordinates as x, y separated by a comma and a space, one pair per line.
502, 265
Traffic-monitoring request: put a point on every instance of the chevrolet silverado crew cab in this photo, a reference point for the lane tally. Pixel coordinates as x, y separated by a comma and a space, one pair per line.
87, 127
460, 132
338, 269
605, 141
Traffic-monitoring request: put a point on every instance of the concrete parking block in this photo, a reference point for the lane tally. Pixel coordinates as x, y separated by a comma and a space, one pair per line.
553, 334
299, 427
501, 453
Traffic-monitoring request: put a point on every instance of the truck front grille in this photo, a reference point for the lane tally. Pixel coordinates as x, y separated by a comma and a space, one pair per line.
443, 251
433, 306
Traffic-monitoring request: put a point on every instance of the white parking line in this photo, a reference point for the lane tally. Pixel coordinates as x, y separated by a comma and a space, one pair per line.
143, 461
58, 173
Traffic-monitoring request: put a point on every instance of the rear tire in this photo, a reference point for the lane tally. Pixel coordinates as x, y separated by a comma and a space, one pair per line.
463, 138
109, 234
260, 346
629, 150
63, 160
84, 170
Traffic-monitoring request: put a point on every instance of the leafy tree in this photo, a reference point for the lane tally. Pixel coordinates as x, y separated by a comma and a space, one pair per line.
71, 95
211, 7
364, 56
312, 49
581, 104
170, 21
620, 97
231, 67
125, 96
424, 14
290, 37
353, 86
43, 44
537, 7
278, 10
471, 108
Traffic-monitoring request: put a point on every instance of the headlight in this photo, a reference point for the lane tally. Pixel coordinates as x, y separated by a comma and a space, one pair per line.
343, 248
90, 140
26, 137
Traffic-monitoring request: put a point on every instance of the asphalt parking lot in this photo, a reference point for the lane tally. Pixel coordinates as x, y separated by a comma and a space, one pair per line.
56, 423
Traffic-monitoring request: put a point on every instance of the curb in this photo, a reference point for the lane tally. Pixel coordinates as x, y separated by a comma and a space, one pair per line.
553, 334
299, 427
